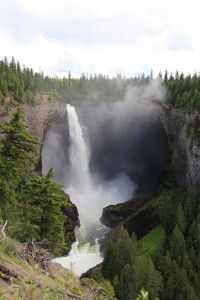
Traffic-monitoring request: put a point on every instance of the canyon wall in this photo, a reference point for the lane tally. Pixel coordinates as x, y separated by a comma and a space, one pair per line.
185, 151
39, 116
184, 145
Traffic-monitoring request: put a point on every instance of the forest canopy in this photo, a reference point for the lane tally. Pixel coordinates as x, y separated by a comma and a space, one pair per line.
23, 85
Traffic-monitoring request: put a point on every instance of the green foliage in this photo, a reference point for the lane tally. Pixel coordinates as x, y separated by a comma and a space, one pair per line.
105, 285
166, 262
31, 203
180, 256
37, 285
39, 214
24, 85
118, 254
126, 288
166, 206
151, 243
8, 247
128, 271
17, 144
143, 295
183, 92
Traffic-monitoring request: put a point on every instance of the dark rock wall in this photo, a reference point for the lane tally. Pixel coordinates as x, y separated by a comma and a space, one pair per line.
185, 153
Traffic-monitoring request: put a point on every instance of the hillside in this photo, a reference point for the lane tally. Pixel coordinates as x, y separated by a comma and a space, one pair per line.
20, 280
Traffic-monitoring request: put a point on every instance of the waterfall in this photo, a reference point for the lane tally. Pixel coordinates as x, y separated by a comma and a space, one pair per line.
80, 189
89, 199
83, 257
80, 178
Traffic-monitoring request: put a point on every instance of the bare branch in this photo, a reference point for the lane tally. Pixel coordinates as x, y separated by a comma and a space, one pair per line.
33, 254
3, 232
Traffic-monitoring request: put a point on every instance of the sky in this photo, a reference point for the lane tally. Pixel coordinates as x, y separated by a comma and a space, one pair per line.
102, 36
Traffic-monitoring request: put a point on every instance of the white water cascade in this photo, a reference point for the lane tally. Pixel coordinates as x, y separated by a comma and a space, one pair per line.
89, 199
80, 178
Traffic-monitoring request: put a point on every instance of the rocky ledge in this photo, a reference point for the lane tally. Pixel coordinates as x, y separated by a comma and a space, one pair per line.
135, 215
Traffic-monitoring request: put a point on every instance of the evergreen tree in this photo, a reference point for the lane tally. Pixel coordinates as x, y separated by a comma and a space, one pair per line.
32, 203
126, 290
109, 260
154, 281
18, 144
181, 222
42, 200
178, 247
17, 151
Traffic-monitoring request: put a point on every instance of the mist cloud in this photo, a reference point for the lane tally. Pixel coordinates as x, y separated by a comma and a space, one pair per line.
123, 137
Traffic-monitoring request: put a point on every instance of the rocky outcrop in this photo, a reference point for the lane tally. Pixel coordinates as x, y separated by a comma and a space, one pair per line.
71, 223
136, 215
185, 150
110, 217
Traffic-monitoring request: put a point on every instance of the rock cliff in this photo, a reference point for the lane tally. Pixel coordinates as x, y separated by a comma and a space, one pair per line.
40, 115
37, 116
185, 148
183, 132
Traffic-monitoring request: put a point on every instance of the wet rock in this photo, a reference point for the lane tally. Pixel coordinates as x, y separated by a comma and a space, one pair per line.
71, 223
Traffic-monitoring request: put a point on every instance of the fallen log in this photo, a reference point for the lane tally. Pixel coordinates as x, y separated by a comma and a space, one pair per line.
9, 272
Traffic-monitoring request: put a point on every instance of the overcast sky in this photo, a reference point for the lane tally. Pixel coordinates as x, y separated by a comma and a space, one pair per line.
102, 36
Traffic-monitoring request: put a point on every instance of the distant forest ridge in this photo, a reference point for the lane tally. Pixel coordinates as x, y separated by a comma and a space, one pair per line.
23, 85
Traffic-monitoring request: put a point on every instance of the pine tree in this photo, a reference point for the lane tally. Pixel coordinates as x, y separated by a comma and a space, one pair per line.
117, 256
126, 290
181, 222
18, 144
17, 152
42, 200
108, 263
178, 246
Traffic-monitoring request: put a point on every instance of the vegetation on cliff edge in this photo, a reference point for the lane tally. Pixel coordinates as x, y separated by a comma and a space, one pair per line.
166, 262
32, 203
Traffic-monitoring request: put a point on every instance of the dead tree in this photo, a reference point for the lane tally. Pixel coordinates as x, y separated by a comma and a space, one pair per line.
34, 254
3, 231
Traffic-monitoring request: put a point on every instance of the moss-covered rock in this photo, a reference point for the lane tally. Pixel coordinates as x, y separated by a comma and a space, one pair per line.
136, 215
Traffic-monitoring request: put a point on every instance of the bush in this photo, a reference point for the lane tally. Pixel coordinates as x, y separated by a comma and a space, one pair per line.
8, 247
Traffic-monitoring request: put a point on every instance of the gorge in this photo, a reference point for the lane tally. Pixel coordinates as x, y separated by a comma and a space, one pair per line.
127, 153
132, 142
122, 157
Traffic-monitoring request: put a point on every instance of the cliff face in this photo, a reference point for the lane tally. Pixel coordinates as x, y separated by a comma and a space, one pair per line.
183, 133
185, 150
39, 116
